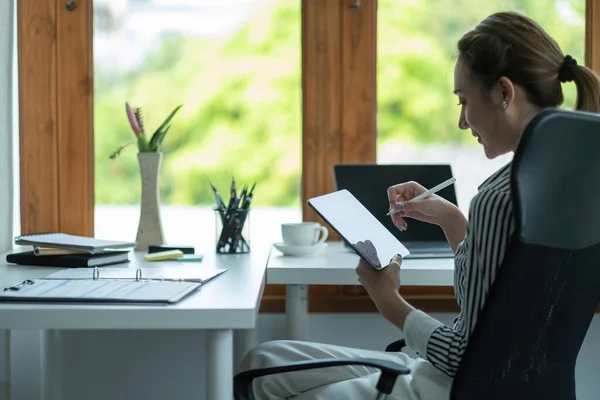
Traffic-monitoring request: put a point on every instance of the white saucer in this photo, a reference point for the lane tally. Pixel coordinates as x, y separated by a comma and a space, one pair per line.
301, 251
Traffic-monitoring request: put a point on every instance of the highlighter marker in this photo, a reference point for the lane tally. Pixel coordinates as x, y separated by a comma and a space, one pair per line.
163, 255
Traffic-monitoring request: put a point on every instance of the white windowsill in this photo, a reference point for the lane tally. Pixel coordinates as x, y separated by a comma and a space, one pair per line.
187, 225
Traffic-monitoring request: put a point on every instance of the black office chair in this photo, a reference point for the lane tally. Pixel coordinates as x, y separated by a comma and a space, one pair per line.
539, 309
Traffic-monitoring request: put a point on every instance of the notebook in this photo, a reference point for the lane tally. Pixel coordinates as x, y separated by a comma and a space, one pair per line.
69, 260
55, 251
357, 226
72, 242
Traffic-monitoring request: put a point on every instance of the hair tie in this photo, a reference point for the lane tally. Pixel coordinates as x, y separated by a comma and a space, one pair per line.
565, 73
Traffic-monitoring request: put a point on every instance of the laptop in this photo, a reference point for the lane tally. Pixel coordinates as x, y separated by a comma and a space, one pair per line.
369, 184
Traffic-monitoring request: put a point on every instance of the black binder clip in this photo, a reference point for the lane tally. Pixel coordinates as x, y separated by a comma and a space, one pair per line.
18, 286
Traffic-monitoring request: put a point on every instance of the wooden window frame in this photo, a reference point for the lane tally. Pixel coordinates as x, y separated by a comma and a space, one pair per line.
339, 105
592, 35
55, 117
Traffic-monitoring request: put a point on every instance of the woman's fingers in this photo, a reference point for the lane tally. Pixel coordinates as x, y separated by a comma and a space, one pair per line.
399, 222
426, 210
397, 259
403, 192
399, 219
398, 193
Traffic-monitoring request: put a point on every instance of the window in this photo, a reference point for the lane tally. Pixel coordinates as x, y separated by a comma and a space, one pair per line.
235, 67
335, 64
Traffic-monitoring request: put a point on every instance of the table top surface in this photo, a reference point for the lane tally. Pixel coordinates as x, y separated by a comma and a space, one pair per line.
336, 264
229, 301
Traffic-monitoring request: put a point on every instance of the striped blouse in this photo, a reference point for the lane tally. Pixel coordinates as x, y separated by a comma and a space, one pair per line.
477, 259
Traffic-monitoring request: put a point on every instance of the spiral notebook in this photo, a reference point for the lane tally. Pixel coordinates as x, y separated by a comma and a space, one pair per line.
72, 242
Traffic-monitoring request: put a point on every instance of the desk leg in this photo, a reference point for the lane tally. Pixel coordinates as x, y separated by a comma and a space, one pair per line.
244, 341
51, 368
296, 312
6, 383
219, 364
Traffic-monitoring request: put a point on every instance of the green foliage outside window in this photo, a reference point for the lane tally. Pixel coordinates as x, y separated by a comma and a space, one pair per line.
242, 96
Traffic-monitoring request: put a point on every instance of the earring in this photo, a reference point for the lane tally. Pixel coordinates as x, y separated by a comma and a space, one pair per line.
504, 105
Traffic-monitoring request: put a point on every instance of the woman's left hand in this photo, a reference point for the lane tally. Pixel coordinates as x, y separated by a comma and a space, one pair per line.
382, 285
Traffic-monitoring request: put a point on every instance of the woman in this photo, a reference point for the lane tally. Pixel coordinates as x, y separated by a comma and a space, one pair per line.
508, 69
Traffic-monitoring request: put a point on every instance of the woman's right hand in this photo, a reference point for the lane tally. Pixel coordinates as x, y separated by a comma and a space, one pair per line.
433, 209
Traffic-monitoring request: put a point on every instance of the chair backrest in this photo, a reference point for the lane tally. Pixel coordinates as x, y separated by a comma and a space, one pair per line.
539, 309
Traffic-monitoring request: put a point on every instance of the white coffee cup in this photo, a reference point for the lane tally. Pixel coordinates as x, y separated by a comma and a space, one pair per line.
303, 233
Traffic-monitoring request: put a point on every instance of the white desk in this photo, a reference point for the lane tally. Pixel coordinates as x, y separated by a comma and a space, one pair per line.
229, 302
335, 266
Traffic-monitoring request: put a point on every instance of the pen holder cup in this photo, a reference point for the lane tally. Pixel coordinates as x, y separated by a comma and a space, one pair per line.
232, 231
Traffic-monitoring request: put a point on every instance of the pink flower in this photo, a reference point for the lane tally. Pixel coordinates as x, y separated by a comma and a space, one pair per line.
133, 120
139, 118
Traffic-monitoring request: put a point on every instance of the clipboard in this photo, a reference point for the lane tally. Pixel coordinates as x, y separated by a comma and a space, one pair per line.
358, 227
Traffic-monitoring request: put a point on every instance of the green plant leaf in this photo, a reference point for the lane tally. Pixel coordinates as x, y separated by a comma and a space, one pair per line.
118, 151
158, 138
162, 137
160, 133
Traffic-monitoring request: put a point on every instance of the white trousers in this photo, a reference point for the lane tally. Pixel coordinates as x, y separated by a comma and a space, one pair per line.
425, 382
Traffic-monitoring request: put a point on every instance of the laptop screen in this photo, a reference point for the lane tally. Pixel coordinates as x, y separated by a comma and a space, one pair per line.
369, 184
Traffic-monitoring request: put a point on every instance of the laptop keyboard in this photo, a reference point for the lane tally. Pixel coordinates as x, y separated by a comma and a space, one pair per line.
428, 249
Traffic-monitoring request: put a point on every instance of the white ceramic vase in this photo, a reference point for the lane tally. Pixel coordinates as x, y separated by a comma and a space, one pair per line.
150, 231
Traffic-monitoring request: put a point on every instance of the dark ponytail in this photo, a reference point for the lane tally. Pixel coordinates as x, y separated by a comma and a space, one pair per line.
588, 89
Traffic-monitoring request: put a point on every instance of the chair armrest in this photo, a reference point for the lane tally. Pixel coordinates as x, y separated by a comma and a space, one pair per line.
242, 383
396, 346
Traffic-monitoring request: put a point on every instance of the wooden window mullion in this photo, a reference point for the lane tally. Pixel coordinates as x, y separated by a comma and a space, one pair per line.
592, 35
321, 98
339, 102
75, 59
56, 108
38, 136
358, 116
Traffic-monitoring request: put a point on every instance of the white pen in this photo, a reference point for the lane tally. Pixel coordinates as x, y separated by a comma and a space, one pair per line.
423, 195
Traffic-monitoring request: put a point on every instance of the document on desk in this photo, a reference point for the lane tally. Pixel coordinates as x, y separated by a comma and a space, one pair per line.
99, 291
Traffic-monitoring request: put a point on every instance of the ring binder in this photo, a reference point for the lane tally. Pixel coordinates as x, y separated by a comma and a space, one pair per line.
77, 285
18, 286
138, 275
96, 277
138, 278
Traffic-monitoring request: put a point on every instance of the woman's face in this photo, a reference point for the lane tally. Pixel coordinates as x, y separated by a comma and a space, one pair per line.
483, 113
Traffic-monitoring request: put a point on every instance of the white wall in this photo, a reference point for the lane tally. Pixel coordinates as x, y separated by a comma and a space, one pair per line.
6, 127
6, 152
